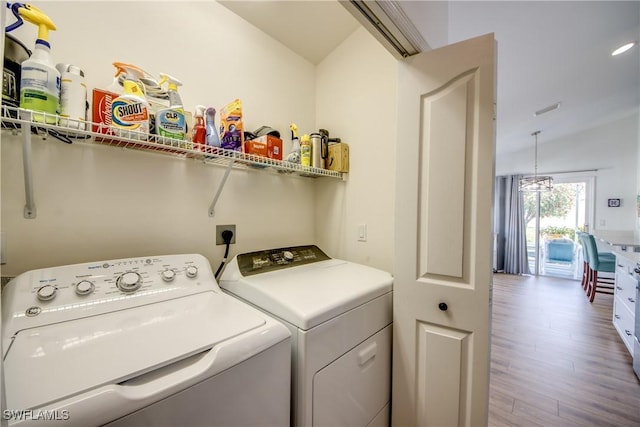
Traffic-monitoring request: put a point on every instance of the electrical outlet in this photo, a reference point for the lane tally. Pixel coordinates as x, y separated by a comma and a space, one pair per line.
220, 229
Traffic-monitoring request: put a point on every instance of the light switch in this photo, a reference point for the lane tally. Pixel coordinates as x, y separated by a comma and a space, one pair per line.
3, 248
362, 232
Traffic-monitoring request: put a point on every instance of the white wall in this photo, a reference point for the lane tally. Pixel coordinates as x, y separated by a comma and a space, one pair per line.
356, 101
611, 149
104, 202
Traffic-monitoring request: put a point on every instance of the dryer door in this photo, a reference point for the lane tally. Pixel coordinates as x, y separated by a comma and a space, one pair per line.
355, 389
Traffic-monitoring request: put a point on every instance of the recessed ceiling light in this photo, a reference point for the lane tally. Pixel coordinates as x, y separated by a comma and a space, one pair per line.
547, 109
623, 49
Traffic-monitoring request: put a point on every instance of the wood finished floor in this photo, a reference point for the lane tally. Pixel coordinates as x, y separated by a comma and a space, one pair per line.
556, 359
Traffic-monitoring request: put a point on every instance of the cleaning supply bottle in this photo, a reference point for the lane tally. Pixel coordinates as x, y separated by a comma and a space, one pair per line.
130, 111
39, 80
294, 154
199, 135
305, 150
170, 122
213, 139
73, 97
116, 84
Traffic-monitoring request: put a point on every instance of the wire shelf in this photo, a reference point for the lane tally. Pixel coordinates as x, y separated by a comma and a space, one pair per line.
84, 132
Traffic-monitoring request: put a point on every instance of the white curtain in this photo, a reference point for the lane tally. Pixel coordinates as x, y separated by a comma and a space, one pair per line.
511, 239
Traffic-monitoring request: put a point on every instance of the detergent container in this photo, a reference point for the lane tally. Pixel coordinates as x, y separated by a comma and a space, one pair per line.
73, 97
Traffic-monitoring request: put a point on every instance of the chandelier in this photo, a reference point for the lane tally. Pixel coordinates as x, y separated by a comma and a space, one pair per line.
536, 182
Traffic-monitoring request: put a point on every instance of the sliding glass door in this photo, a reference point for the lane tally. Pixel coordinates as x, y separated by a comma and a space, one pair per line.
552, 220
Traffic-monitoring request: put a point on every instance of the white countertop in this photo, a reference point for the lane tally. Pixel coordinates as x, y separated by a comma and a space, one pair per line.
631, 256
619, 237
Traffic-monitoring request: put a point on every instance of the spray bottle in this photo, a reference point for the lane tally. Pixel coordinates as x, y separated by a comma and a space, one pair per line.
170, 122
213, 139
40, 80
294, 154
116, 86
73, 97
130, 112
305, 150
199, 135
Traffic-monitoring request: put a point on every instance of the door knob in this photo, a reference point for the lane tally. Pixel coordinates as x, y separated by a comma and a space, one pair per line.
443, 306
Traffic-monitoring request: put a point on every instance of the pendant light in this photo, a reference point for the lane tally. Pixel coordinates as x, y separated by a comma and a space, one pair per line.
536, 182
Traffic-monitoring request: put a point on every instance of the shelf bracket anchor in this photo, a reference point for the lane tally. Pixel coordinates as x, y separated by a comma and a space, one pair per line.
212, 207
30, 204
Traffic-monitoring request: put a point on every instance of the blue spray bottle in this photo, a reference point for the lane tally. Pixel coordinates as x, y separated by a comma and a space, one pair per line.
213, 139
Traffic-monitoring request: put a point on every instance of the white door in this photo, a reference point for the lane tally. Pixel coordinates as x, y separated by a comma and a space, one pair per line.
3, 422
444, 221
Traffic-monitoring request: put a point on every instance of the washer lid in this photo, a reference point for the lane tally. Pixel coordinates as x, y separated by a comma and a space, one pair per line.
308, 295
48, 363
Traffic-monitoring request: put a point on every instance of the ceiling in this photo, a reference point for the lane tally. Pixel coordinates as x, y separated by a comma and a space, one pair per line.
548, 52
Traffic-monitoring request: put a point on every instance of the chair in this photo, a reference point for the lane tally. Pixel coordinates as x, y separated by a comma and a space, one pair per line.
585, 259
599, 262
560, 251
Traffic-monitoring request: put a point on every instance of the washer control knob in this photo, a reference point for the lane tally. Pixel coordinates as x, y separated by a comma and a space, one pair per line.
287, 255
84, 287
192, 271
47, 292
168, 275
129, 281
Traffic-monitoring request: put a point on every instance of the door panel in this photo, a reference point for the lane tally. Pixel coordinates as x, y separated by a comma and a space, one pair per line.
439, 373
443, 268
443, 118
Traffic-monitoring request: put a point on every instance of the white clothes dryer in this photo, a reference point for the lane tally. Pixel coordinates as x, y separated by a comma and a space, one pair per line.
339, 314
140, 341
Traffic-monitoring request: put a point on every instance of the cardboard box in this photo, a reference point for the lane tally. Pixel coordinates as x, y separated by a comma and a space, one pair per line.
266, 146
255, 147
101, 111
338, 157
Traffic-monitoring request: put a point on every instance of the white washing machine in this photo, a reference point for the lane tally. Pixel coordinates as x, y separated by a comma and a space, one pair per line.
143, 341
339, 314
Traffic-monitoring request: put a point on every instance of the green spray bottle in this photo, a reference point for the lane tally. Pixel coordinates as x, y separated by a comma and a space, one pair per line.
40, 79
170, 122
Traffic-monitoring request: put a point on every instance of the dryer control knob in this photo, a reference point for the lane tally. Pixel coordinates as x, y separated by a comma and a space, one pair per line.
168, 275
287, 255
192, 271
84, 287
47, 292
129, 281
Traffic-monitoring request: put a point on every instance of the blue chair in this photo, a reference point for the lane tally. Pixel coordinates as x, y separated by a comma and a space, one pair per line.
560, 251
585, 259
599, 262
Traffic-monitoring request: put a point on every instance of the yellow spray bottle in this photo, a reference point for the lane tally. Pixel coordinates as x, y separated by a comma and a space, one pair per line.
130, 111
40, 80
170, 122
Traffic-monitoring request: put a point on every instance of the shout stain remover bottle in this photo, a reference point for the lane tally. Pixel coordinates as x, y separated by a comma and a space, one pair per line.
130, 111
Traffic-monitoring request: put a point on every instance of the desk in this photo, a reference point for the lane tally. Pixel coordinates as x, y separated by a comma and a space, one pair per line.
627, 240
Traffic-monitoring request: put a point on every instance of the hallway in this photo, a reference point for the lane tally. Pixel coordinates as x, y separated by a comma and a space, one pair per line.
557, 359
